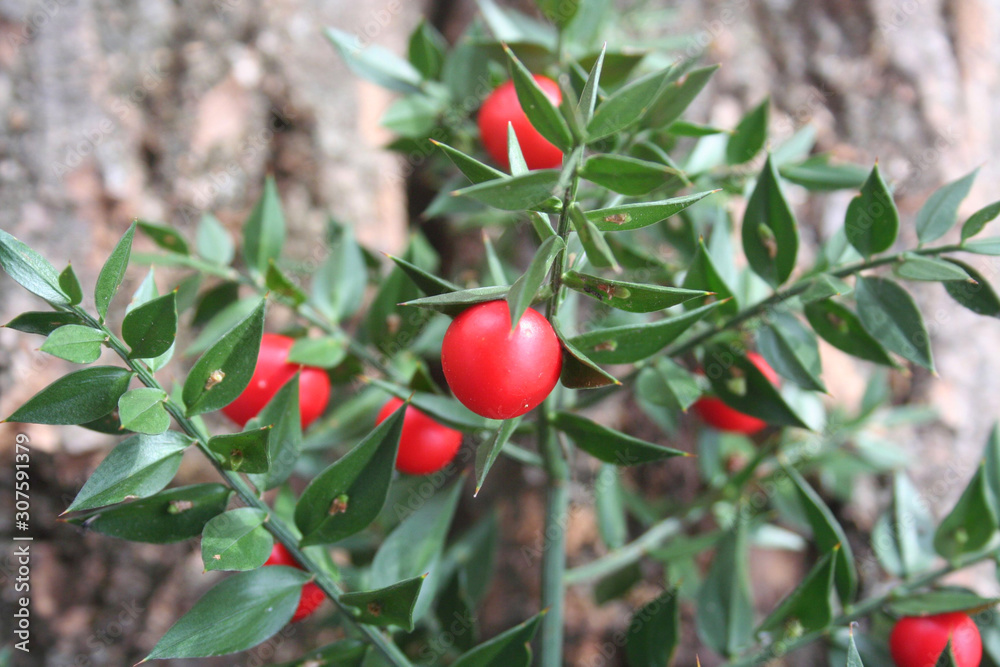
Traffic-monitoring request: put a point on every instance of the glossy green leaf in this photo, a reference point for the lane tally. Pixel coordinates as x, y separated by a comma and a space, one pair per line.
392, 605
978, 220
236, 540
542, 113
169, 516
225, 369
724, 614
578, 370
524, 289
840, 327
770, 233
427, 50
560, 12
518, 165
633, 342
609, 445
853, 657
453, 303
677, 96
592, 88
890, 315
516, 193
112, 273
76, 343
30, 270
511, 648
284, 444
702, 274
975, 293
264, 230
81, 396
683, 128
940, 211
817, 173
626, 106
281, 285
872, 220
625, 175
141, 410
428, 283
791, 350
654, 632
592, 239
740, 385
487, 452
238, 613
988, 246
164, 236
222, 322
323, 352
444, 409
931, 269
631, 297
374, 63
348, 495
213, 241
902, 537
823, 287
474, 170
137, 467
609, 504
807, 607
971, 523
828, 535
149, 329
243, 452
665, 382
940, 602
749, 136
70, 285
626, 217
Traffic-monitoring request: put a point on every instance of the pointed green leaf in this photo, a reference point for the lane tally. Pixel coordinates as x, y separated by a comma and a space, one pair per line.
137, 467
236, 540
225, 369
511, 648
164, 236
853, 657
808, 606
540, 110
487, 452
324, 352
82, 396
608, 445
518, 165
872, 219
627, 217
749, 136
770, 233
840, 327
76, 343
975, 293
43, 323
676, 96
70, 285
374, 63
474, 170
497, 272
609, 504
338, 289
578, 370
591, 89
739, 384
625, 175
631, 297
282, 285
978, 220
30, 270
391, 605
971, 524
430, 284
453, 303
517, 193
931, 603
221, 322
627, 105
112, 273
817, 173
149, 329
238, 613
947, 657
213, 241
682, 128
654, 632
669, 384
890, 315
427, 50
141, 410
902, 538
940, 211
988, 246
930, 269
991, 464
791, 349
243, 452
524, 289
264, 230
724, 604
592, 239
284, 444
703, 275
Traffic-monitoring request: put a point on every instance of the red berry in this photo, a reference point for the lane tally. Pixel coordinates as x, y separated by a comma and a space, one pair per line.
270, 374
919, 641
502, 107
497, 373
719, 415
425, 445
312, 595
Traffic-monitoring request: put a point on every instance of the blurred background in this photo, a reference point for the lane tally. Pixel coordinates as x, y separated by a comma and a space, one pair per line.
163, 110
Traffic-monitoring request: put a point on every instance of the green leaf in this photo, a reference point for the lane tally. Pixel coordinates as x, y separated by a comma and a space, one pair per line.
511, 648
625, 175
343, 653
791, 349
749, 136
149, 329
560, 12
164, 236
667, 383
374, 63
609, 504
238, 613
940, 212
627, 296
497, 272
141, 410
818, 174
213, 241
991, 464
890, 315
677, 96
703, 275
474, 170
902, 538
282, 285
807, 607
247, 452
872, 220
392, 605
112, 273
840, 327
169, 516
634, 342
770, 233
236, 540
518, 165
591, 89
347, 496
578, 370
739, 384
70, 285
608, 445
947, 657
79, 397
284, 443
428, 283
339, 287
931, 269
137, 467
654, 632
222, 322
627, 105
444, 409
76, 343
724, 602
931, 603
264, 230
325, 352
453, 303
683, 128
42, 322
540, 110
853, 657
828, 535
487, 453
988, 246
971, 524
516, 193
975, 293
592, 239
524, 289
626, 217
30, 270
427, 50
225, 369
978, 220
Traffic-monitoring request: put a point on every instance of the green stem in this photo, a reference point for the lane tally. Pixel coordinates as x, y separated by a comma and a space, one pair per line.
274, 524
626, 555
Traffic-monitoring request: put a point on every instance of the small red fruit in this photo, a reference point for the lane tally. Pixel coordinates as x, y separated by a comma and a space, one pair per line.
270, 374
495, 372
719, 415
425, 445
312, 596
502, 107
919, 641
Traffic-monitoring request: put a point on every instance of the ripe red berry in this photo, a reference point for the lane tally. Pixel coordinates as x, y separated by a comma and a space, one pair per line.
719, 415
312, 596
501, 107
425, 445
270, 374
919, 641
495, 372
